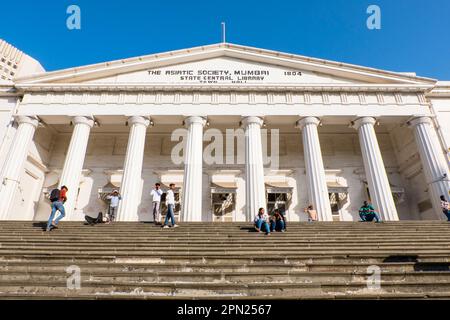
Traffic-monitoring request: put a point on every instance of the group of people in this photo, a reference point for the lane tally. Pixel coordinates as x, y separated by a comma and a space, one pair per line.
262, 221
59, 196
156, 195
277, 221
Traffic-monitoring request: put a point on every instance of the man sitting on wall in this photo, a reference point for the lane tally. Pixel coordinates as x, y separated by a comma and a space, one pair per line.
368, 214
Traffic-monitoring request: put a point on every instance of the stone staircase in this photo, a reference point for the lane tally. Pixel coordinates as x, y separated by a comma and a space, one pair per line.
333, 260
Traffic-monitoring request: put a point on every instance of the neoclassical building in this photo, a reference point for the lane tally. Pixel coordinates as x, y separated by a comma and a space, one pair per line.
252, 127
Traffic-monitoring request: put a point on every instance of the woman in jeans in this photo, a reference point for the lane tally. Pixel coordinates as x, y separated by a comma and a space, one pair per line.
262, 220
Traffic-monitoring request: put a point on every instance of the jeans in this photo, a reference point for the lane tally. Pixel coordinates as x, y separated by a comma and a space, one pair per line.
277, 226
260, 223
368, 217
156, 211
112, 213
56, 206
170, 214
447, 213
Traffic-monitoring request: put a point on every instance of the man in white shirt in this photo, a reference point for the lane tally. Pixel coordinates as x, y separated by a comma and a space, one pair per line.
170, 202
114, 199
156, 203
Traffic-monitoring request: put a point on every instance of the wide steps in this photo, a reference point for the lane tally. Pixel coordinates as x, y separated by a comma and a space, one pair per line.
230, 260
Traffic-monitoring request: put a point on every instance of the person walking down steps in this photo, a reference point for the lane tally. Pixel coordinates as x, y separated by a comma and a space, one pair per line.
170, 202
58, 198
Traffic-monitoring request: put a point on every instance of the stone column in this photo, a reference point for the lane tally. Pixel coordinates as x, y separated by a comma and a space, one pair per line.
131, 186
255, 189
315, 172
14, 164
193, 170
433, 160
73, 165
380, 190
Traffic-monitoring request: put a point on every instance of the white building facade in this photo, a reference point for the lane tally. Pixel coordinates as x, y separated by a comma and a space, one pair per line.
253, 128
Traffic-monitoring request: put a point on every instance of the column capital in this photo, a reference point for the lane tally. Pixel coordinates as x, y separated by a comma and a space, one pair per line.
145, 121
87, 120
300, 124
33, 120
194, 119
245, 121
419, 120
363, 120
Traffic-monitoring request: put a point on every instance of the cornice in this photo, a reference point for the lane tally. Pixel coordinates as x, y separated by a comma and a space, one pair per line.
137, 87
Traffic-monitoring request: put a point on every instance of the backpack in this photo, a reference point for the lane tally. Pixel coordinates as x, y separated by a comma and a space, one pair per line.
93, 221
54, 195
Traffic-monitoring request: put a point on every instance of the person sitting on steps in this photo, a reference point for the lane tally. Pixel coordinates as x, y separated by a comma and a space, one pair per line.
261, 220
312, 214
445, 207
277, 222
367, 213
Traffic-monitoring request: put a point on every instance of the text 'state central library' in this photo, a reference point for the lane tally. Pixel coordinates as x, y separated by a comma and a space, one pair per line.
234, 128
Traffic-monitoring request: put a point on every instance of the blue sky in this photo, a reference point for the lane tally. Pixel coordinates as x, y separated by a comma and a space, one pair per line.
414, 35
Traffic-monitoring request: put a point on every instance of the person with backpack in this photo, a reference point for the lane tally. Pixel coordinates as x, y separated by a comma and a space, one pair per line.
58, 198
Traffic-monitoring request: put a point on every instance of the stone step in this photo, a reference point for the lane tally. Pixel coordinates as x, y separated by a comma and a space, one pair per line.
207, 290
129, 268
298, 260
265, 276
229, 247
272, 240
141, 261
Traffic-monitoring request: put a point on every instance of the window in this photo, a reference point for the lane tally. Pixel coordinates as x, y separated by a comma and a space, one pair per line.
277, 200
223, 205
336, 205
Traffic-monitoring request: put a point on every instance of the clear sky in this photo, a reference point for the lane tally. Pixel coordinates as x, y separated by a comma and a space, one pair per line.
414, 34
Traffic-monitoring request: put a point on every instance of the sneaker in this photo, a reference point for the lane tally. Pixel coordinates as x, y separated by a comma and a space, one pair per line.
267, 233
54, 225
175, 226
48, 230
165, 227
283, 230
257, 230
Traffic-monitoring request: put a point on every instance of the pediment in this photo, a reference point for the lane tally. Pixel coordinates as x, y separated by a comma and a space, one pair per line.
223, 70
223, 64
